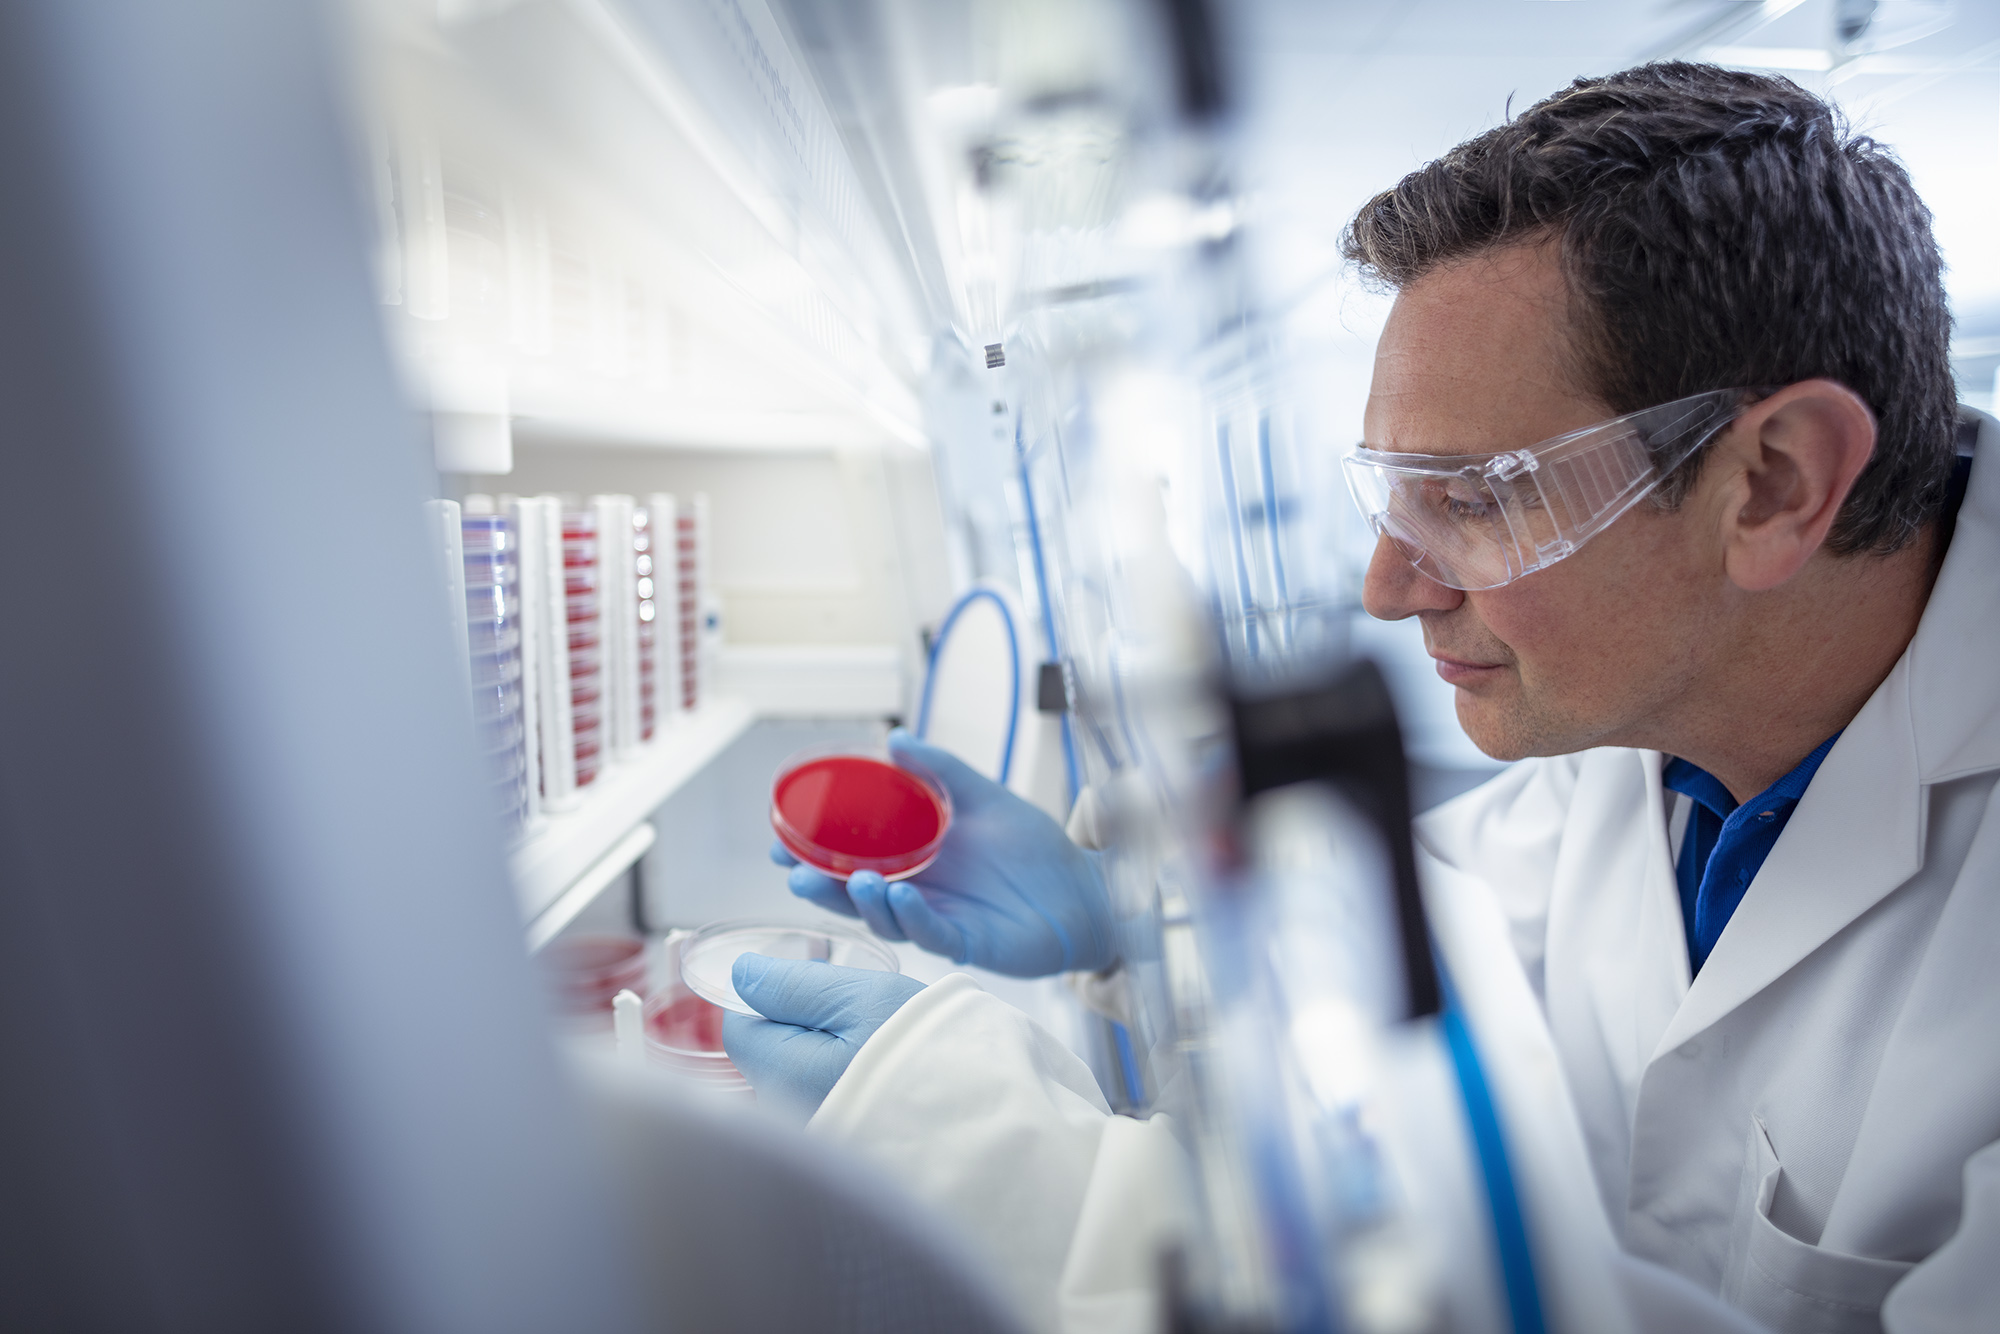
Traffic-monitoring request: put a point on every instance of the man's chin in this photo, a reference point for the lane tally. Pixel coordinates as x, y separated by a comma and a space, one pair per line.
1497, 735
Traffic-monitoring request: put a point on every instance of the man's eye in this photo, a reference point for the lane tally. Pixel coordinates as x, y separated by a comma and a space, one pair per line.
1459, 503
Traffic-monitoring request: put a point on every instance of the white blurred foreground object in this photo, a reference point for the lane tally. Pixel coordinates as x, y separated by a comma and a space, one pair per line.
745, 1225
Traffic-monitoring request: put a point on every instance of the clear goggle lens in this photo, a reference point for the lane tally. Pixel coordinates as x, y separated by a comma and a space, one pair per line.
1474, 522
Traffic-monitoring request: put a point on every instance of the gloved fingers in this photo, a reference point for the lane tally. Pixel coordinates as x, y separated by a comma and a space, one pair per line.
968, 787
822, 891
925, 926
870, 894
801, 992
850, 1002
782, 855
789, 1066
753, 1043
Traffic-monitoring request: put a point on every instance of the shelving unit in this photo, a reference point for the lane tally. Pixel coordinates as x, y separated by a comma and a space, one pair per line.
575, 845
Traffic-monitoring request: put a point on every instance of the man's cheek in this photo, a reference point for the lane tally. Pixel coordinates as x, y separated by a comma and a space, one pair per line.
1526, 620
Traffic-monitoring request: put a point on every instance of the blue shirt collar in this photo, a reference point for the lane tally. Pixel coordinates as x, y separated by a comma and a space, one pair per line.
1697, 782
1725, 843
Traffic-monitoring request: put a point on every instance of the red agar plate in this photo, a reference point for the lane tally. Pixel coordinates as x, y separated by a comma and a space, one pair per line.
839, 812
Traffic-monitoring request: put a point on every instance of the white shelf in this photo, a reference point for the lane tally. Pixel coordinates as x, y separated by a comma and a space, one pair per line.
570, 844
583, 891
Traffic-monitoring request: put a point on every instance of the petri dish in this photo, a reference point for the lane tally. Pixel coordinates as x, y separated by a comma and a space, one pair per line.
840, 812
708, 955
684, 1034
587, 971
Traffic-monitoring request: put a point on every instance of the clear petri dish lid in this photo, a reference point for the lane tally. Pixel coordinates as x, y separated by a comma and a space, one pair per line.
496, 703
502, 749
485, 533
491, 603
485, 569
708, 955
493, 637
491, 671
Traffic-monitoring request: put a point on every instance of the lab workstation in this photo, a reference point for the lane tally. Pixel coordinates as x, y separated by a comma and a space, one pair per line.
1127, 666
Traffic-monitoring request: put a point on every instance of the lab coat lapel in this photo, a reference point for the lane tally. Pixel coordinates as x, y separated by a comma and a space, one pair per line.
1858, 832
1661, 990
1856, 835
1626, 947
1955, 658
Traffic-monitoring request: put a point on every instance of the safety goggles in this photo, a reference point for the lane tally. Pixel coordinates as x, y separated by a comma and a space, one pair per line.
1477, 521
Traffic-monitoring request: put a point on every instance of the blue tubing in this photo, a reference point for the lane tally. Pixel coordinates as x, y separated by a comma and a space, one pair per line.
1510, 1230
1070, 770
1014, 650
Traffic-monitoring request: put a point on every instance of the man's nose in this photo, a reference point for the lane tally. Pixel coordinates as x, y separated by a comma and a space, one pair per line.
1394, 590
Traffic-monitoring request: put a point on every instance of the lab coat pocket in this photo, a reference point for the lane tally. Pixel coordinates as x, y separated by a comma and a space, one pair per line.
1787, 1283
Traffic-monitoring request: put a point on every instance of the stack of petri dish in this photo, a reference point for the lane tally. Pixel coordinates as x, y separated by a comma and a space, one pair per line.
687, 622
684, 1032
586, 643
649, 630
493, 634
588, 971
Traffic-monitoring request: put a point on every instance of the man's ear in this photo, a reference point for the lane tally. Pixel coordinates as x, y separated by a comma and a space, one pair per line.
1787, 465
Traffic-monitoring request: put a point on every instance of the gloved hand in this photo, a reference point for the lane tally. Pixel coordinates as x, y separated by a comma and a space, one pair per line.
1008, 891
816, 1016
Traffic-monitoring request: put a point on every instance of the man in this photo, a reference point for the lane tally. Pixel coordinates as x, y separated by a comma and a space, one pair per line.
1664, 454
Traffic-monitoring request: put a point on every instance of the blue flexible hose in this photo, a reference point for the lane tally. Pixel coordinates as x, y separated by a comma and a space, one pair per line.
1014, 649
1510, 1229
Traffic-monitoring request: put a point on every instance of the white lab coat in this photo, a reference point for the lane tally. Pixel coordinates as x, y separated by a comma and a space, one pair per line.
1814, 1125
1811, 1130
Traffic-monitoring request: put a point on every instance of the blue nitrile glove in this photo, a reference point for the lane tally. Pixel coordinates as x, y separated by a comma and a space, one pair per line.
816, 1016
1008, 891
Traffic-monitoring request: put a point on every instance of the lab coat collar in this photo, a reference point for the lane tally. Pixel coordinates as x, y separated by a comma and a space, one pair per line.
1954, 680
1858, 832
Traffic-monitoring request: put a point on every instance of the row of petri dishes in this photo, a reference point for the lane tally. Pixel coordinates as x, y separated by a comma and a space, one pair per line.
589, 626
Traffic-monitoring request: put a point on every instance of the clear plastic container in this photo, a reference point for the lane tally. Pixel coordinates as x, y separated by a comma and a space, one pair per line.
708, 955
493, 637
841, 811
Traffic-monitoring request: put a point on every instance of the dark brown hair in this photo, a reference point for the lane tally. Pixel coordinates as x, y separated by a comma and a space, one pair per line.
1718, 229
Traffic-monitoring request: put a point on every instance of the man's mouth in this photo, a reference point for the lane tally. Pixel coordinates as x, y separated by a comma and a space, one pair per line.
1463, 671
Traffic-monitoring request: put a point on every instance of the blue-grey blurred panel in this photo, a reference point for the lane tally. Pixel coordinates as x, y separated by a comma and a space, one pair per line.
272, 1050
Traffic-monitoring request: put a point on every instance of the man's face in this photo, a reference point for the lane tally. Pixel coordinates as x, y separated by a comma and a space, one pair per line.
1601, 648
